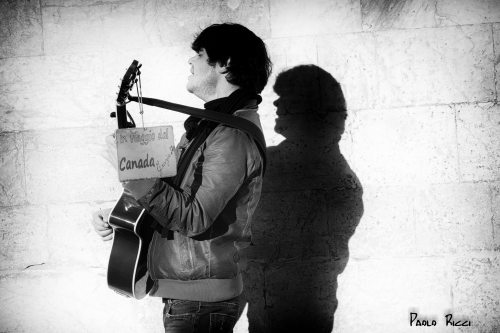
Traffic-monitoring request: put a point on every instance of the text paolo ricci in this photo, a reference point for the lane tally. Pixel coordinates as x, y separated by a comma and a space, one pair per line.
447, 320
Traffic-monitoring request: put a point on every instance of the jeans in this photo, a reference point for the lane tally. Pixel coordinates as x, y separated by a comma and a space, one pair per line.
180, 316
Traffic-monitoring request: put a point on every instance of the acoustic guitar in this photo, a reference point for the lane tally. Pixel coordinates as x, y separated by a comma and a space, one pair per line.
127, 268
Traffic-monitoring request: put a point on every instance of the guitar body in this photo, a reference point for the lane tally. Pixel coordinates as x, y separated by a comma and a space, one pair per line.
127, 268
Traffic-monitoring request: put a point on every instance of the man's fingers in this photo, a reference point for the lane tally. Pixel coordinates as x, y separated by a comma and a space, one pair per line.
102, 226
107, 238
104, 233
99, 221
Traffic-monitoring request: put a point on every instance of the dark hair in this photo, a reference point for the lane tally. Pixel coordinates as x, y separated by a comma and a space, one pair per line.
249, 66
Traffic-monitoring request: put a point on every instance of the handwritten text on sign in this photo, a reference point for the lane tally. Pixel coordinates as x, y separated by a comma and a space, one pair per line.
145, 153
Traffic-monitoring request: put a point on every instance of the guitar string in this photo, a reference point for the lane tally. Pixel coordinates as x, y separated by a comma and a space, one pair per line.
139, 97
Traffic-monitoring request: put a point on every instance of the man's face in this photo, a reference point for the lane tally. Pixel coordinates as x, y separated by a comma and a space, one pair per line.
203, 78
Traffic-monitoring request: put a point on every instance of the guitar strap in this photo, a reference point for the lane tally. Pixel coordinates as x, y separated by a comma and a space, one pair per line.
237, 122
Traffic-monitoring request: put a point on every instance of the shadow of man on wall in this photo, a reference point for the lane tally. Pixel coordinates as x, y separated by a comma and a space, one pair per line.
310, 206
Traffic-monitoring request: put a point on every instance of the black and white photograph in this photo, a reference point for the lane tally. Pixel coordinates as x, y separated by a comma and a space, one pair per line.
250, 166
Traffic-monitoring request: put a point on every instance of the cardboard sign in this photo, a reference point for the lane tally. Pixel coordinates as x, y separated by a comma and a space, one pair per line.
145, 153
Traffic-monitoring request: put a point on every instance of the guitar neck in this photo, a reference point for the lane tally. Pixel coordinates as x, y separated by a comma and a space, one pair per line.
121, 116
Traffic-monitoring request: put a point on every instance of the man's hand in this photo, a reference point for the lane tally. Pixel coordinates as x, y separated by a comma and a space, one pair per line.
100, 224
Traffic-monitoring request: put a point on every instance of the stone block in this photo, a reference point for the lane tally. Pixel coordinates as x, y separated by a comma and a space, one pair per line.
478, 132
34, 107
405, 146
52, 91
69, 165
73, 3
453, 218
387, 227
476, 290
20, 29
93, 28
496, 45
452, 12
383, 15
50, 70
12, 178
289, 52
24, 237
58, 300
294, 18
173, 22
377, 295
440, 65
495, 200
73, 241
253, 14
351, 60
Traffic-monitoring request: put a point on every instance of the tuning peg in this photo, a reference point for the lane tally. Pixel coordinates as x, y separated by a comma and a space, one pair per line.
112, 114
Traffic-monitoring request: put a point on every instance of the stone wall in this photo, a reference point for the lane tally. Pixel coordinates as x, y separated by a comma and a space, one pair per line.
402, 214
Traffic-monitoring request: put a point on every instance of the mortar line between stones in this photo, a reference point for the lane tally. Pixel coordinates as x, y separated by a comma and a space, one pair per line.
48, 249
381, 31
451, 296
408, 106
93, 4
377, 61
25, 185
416, 246
494, 63
492, 220
459, 170
41, 21
360, 15
270, 20
316, 50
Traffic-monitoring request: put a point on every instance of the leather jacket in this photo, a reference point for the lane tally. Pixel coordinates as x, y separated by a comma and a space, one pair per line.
210, 216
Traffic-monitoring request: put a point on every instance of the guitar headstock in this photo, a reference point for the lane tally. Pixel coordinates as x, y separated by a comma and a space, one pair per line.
128, 82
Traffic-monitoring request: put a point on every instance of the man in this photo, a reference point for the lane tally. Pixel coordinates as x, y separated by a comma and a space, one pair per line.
205, 214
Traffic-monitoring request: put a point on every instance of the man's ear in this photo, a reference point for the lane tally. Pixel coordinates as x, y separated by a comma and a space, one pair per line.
223, 68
